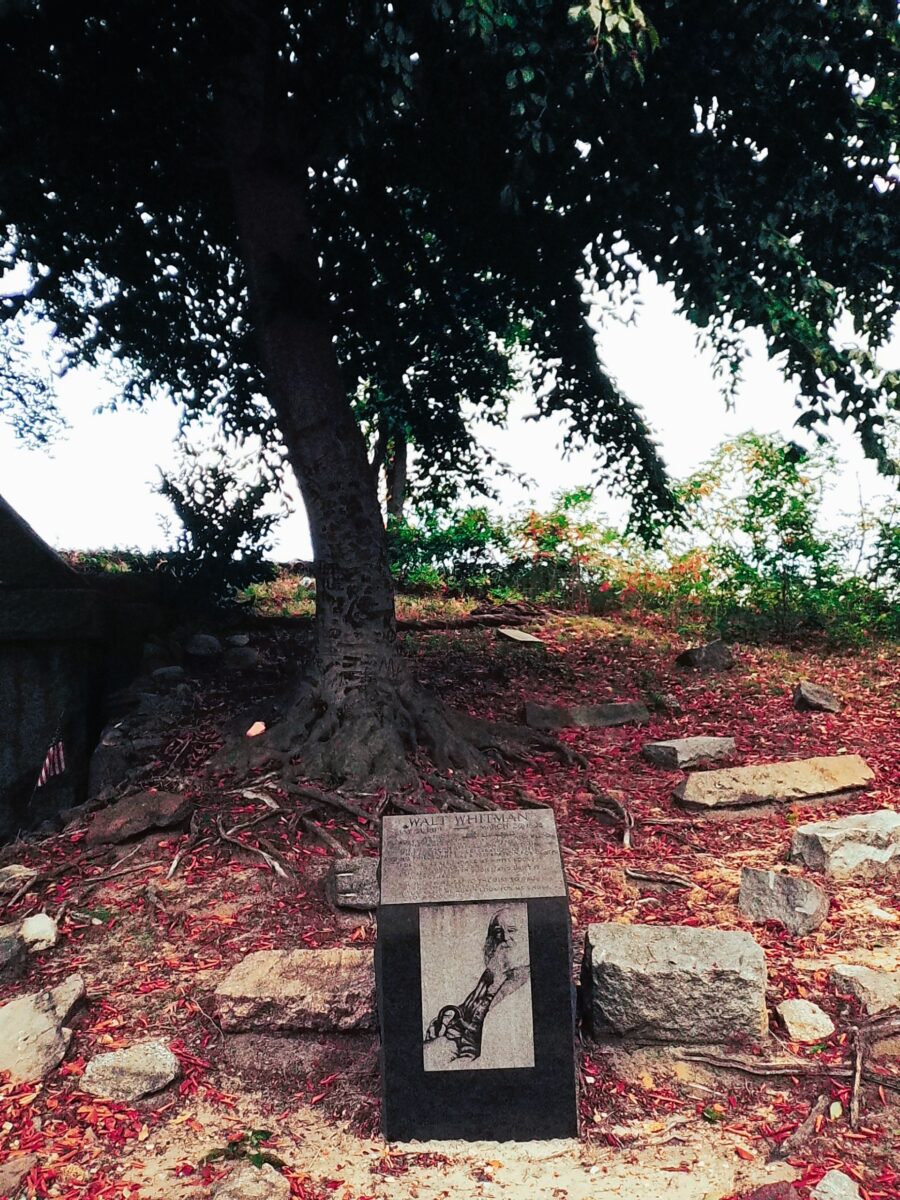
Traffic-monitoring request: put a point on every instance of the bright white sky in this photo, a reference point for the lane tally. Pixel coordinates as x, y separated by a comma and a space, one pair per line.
94, 487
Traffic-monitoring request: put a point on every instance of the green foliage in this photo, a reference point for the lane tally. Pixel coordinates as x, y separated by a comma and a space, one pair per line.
459, 551
246, 1146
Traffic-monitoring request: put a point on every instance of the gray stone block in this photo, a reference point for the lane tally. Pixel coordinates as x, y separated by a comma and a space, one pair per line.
813, 697
858, 847
671, 983
131, 1073
353, 883
586, 716
687, 752
877, 991
715, 656
800, 905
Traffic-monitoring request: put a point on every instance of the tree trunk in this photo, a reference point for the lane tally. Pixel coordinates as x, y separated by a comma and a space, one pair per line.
395, 474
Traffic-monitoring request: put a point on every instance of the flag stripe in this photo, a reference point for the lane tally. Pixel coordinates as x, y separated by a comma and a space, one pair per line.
54, 763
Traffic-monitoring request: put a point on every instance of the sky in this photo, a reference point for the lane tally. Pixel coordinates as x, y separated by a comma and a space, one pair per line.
94, 487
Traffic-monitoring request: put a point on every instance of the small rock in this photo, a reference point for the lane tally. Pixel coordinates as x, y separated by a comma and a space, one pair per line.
203, 645
876, 991
13, 1172
33, 1037
353, 883
247, 1182
715, 656
687, 752
39, 932
299, 989
835, 1186
674, 983
510, 634
804, 1021
12, 953
168, 676
240, 658
238, 639
14, 877
813, 697
799, 905
129, 1074
586, 716
136, 815
775, 782
859, 847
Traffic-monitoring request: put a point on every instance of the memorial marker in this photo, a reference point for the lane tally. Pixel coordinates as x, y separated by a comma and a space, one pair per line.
473, 965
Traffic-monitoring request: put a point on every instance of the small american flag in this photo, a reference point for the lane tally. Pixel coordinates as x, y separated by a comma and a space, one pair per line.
54, 763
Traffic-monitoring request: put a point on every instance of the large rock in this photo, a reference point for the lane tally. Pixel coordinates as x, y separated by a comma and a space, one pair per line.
39, 932
687, 752
247, 1182
715, 656
813, 697
33, 1036
136, 815
203, 646
779, 781
353, 883
14, 877
240, 658
586, 716
804, 1021
835, 1185
800, 906
129, 1074
877, 991
857, 847
299, 989
672, 983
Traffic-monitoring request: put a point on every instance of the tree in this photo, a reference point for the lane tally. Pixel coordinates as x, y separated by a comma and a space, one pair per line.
294, 200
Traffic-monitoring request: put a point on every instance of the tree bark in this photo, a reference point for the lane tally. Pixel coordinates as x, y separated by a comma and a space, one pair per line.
395, 473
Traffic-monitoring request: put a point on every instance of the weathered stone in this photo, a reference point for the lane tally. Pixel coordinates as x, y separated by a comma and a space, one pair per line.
299, 989
835, 1186
39, 932
238, 639
12, 953
247, 1182
804, 1021
203, 645
129, 1074
715, 656
168, 676
797, 903
779, 781
13, 1172
15, 876
136, 815
876, 991
586, 716
861, 846
353, 883
673, 983
813, 697
240, 658
510, 634
687, 752
33, 1037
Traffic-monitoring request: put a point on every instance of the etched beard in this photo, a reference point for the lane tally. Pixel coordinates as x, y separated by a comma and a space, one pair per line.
506, 968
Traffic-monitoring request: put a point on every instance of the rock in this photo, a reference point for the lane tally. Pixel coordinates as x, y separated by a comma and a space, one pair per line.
777, 781
39, 932
715, 656
203, 645
14, 877
510, 634
857, 847
33, 1037
353, 883
804, 1021
299, 989
687, 752
13, 1172
129, 1074
136, 815
238, 639
586, 716
247, 1182
12, 953
240, 658
168, 676
773, 1191
876, 991
672, 983
813, 697
800, 906
835, 1186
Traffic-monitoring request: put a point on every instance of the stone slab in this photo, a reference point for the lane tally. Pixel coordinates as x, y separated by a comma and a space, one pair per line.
863, 846
313, 990
673, 983
678, 753
775, 782
444, 857
586, 716
510, 634
799, 904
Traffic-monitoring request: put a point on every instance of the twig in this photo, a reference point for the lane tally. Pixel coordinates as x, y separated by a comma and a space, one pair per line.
194, 843
803, 1130
605, 804
332, 801
859, 1055
269, 859
323, 835
665, 877
795, 1067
